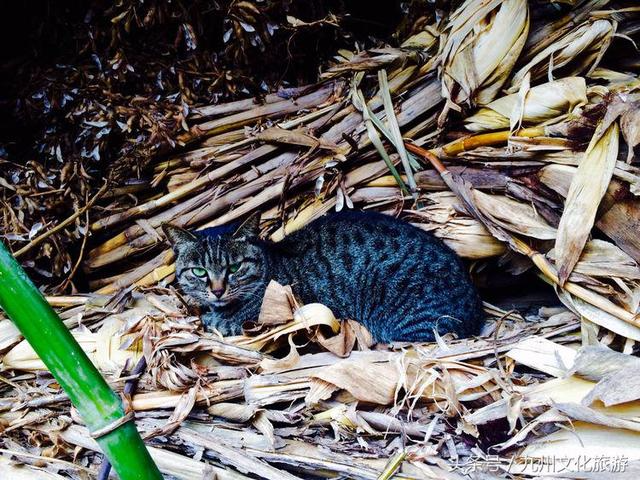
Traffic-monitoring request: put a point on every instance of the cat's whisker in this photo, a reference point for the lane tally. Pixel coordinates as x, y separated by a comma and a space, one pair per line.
247, 293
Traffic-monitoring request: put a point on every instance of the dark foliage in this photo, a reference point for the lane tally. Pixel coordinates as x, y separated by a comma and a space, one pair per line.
91, 90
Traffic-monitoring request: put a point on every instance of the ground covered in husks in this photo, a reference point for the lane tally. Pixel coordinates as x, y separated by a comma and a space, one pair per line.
507, 128
303, 395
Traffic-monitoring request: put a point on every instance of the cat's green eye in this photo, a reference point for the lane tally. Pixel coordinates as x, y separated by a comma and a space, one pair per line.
234, 267
199, 272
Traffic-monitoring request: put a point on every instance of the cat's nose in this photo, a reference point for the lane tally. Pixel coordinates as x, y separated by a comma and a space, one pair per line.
218, 292
217, 287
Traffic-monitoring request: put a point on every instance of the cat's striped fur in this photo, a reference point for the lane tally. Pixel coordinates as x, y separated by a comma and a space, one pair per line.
399, 281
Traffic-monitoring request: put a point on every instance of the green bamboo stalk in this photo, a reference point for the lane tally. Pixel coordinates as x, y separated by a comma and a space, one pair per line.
99, 406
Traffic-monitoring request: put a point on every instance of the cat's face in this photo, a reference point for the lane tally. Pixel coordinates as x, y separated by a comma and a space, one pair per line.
220, 267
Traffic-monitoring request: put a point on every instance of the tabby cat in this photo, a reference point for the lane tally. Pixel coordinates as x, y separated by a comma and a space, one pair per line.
401, 282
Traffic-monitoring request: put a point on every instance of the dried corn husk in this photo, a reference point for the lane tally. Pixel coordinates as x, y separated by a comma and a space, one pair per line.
584, 441
305, 318
102, 347
579, 50
465, 235
514, 216
600, 317
603, 259
544, 355
630, 126
587, 189
169, 463
484, 40
15, 471
551, 100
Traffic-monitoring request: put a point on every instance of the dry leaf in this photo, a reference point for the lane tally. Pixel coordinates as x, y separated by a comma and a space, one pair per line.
477, 61
343, 343
543, 355
369, 383
541, 103
515, 216
630, 126
277, 305
587, 188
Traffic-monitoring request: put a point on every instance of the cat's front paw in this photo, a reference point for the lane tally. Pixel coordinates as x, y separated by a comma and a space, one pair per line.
211, 321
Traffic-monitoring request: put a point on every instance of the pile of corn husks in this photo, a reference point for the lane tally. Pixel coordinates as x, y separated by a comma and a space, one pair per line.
302, 395
508, 133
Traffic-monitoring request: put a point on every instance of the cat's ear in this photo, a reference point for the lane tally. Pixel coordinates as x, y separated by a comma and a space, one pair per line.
250, 228
178, 237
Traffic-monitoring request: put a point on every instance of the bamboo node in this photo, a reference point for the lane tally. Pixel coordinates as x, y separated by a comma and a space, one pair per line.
117, 423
